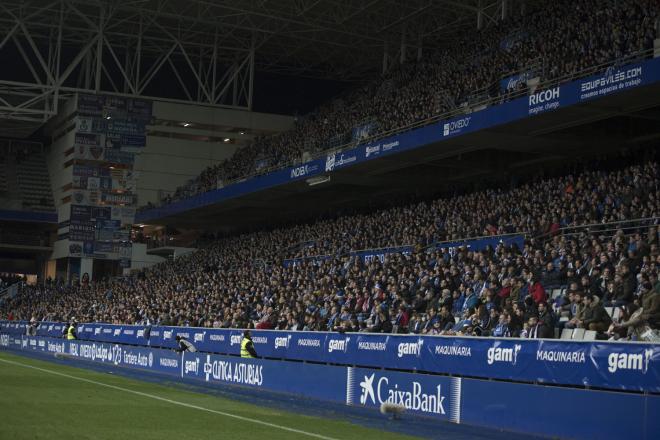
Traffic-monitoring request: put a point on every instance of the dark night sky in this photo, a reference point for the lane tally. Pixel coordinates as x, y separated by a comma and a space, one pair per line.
289, 95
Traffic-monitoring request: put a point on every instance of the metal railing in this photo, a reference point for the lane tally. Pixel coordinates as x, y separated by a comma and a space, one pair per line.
167, 241
9, 292
607, 229
415, 247
525, 235
604, 229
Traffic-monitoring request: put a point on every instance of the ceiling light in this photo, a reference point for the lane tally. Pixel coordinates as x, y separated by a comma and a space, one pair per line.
186, 124
108, 117
227, 139
241, 132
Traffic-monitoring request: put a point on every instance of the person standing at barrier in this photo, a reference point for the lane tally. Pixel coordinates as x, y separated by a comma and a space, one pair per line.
71, 333
32, 327
247, 346
184, 345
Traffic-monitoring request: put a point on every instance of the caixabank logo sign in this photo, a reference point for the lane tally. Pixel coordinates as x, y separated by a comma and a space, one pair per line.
437, 396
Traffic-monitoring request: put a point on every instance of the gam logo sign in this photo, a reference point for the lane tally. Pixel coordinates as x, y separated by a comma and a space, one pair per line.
501, 354
282, 342
338, 344
630, 361
410, 348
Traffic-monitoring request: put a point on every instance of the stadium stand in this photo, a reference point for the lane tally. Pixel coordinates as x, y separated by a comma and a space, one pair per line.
593, 234
24, 181
559, 42
34, 182
3, 173
401, 265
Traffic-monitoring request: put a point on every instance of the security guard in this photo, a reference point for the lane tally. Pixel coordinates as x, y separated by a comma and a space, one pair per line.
71, 331
247, 347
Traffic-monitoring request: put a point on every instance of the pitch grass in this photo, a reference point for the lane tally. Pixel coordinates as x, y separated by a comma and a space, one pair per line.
36, 404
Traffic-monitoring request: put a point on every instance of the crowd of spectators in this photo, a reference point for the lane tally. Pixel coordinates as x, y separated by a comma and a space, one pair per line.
556, 41
240, 281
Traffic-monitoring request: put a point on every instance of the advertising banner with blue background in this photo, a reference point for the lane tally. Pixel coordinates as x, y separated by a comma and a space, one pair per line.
363, 131
426, 394
479, 244
369, 255
622, 366
612, 80
551, 411
514, 82
365, 255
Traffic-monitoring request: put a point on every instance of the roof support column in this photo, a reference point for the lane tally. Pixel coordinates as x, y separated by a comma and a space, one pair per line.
402, 58
99, 52
480, 16
251, 73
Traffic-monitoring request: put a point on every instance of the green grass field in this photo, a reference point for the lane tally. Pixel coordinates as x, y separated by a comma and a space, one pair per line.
44, 400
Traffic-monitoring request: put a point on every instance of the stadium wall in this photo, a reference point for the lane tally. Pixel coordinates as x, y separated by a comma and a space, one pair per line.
528, 408
176, 153
616, 366
168, 163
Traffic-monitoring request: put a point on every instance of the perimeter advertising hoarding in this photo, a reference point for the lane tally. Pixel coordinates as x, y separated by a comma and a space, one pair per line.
617, 366
535, 409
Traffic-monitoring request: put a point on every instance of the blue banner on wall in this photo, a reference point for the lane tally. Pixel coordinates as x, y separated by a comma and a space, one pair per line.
623, 366
479, 244
429, 395
363, 131
514, 82
370, 255
517, 407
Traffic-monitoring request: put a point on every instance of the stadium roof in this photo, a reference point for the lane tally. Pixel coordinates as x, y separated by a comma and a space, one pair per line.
207, 51
339, 39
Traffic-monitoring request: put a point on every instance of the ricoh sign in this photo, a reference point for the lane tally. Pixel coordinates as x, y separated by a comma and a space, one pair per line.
544, 101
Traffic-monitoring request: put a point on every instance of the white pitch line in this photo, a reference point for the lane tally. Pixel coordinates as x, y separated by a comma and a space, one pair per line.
173, 402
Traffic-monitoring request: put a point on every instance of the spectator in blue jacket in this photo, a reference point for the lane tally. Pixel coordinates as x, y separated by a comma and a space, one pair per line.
502, 328
471, 300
